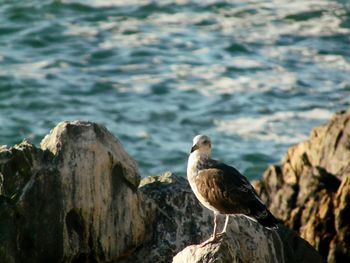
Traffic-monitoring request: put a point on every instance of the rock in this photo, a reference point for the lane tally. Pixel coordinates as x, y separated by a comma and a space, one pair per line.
73, 200
248, 241
79, 199
309, 191
223, 250
244, 241
177, 218
340, 244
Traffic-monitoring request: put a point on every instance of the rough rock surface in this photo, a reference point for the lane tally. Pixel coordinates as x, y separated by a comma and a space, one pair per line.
76, 199
244, 241
248, 241
223, 250
310, 190
177, 218
66, 202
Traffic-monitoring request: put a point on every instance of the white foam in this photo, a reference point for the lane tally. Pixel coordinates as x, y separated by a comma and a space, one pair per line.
316, 114
80, 30
120, 3
28, 70
106, 3
331, 61
279, 127
217, 83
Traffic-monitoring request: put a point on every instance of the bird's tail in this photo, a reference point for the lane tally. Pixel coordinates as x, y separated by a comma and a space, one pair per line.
268, 221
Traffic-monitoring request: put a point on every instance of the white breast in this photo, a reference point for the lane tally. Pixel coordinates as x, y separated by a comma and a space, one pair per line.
192, 173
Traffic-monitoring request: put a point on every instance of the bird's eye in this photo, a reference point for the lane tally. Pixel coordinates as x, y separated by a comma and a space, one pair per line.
205, 142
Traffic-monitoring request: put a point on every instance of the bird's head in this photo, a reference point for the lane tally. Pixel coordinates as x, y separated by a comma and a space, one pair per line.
201, 144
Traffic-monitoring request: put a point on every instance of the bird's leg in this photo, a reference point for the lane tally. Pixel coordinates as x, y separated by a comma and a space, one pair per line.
226, 223
214, 236
215, 226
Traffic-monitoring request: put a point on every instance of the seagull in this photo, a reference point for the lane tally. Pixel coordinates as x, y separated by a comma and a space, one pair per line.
223, 189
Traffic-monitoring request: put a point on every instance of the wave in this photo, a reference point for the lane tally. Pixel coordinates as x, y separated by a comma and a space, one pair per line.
281, 127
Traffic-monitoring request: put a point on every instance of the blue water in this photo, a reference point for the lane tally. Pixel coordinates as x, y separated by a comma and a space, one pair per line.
254, 75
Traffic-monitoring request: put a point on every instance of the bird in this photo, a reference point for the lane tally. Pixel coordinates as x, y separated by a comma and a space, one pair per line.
222, 188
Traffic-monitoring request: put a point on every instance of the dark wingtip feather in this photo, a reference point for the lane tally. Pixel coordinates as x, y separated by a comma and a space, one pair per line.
269, 221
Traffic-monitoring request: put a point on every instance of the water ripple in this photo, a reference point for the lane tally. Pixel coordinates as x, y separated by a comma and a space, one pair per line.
255, 75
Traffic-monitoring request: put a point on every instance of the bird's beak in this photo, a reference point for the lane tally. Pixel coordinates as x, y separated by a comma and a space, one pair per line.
194, 147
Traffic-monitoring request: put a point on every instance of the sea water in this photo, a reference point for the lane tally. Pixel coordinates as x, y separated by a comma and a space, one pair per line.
254, 75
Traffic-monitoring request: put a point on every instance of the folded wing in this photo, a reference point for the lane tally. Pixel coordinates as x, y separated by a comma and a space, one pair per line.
230, 192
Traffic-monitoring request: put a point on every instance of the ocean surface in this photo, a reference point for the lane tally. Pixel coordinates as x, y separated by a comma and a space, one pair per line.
254, 75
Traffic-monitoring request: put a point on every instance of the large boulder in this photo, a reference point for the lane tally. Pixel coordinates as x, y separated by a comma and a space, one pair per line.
248, 241
176, 218
310, 189
244, 241
78, 198
73, 200
179, 220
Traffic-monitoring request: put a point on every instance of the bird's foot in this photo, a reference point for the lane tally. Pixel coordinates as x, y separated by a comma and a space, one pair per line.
219, 236
212, 239
223, 232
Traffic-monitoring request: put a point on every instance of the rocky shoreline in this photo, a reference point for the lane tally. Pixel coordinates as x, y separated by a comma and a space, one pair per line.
79, 198
310, 190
